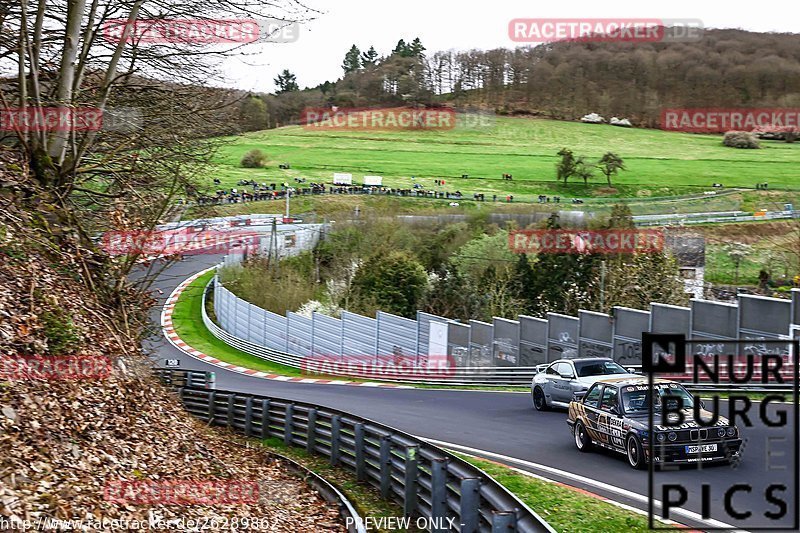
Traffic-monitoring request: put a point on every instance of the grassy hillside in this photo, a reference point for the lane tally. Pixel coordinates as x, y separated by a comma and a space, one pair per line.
659, 163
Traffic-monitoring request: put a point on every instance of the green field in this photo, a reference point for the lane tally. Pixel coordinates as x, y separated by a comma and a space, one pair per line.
659, 163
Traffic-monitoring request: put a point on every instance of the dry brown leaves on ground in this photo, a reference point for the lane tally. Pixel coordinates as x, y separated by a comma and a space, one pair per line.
63, 441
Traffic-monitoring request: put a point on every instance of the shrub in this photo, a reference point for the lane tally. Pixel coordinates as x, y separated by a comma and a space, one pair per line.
254, 159
62, 335
740, 139
393, 282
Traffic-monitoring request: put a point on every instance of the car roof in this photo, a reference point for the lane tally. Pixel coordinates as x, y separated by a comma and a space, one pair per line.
582, 359
632, 380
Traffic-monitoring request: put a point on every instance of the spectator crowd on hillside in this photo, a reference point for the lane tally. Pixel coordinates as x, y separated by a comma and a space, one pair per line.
250, 191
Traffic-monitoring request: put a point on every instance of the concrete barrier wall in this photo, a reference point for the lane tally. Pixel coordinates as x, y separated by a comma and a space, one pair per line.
503, 343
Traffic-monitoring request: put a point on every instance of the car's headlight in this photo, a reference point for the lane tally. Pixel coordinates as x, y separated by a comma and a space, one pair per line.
661, 437
672, 436
731, 431
721, 432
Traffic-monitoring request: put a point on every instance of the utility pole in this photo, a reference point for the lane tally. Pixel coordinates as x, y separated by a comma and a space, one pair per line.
603, 286
286, 186
272, 255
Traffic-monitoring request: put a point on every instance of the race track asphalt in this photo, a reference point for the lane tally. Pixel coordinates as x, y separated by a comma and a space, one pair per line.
503, 426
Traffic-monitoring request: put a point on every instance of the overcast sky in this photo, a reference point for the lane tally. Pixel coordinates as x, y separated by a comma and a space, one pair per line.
461, 25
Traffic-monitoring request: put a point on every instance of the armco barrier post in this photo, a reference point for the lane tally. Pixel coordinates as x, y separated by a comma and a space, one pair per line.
470, 502
264, 419
386, 466
248, 416
288, 424
212, 396
336, 429
311, 432
361, 466
503, 521
231, 409
410, 480
439, 493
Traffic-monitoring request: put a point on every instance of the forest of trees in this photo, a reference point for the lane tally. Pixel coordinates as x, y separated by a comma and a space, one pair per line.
727, 68
464, 270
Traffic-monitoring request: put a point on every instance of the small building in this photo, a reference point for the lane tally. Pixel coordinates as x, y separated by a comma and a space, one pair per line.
690, 251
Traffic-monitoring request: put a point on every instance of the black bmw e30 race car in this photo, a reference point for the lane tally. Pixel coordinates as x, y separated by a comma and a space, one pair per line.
614, 412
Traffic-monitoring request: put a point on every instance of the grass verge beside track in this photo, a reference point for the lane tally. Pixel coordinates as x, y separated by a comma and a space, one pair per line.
188, 322
565, 508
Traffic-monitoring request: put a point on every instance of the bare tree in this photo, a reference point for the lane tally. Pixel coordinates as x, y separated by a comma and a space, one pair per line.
154, 115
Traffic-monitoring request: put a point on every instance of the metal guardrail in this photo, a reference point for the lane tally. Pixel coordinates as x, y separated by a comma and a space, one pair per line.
186, 378
426, 480
178, 379
711, 218
466, 375
328, 492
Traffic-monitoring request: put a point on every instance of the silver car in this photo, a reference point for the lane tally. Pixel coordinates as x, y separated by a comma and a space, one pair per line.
558, 383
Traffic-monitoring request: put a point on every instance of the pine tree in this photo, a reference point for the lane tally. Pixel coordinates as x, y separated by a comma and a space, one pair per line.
416, 49
352, 60
401, 49
286, 82
370, 57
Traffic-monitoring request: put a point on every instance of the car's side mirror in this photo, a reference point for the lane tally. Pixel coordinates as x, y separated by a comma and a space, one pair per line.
613, 410
567, 376
578, 396
702, 404
631, 370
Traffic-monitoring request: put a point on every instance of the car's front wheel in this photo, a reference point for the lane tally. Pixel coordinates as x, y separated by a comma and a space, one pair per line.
635, 453
582, 440
539, 401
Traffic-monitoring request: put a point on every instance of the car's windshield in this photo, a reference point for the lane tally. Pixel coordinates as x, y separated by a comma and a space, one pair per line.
635, 397
598, 368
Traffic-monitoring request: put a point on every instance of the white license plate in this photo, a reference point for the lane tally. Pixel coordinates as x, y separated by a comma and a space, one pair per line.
703, 448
